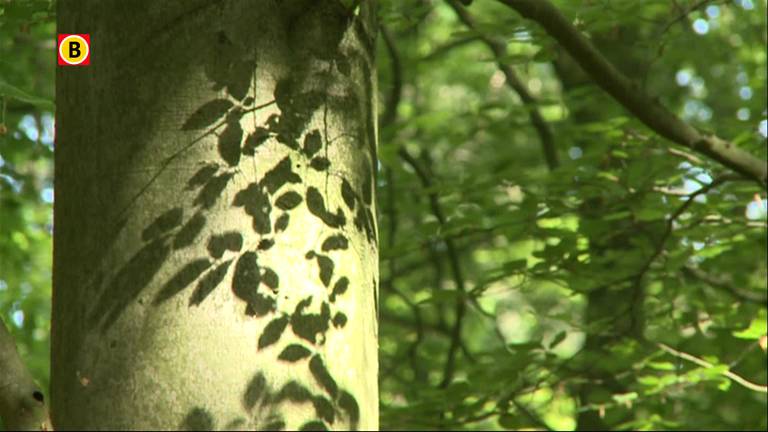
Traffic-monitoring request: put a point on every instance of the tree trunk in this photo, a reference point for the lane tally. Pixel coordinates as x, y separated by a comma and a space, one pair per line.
215, 249
614, 311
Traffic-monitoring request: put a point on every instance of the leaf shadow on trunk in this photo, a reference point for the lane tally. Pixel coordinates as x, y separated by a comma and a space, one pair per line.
269, 201
261, 406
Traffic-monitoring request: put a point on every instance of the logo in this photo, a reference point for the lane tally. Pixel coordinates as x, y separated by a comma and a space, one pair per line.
74, 49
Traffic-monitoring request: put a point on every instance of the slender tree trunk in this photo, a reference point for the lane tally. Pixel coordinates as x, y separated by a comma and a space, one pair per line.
614, 311
215, 249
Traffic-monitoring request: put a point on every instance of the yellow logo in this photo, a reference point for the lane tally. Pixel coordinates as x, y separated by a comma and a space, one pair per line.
74, 49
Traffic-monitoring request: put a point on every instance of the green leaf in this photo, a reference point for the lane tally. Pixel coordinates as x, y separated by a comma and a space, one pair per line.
757, 328
625, 398
515, 266
665, 366
559, 337
648, 380
13, 92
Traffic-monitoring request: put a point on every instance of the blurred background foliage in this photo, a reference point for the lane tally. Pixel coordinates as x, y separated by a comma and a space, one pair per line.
617, 283
27, 66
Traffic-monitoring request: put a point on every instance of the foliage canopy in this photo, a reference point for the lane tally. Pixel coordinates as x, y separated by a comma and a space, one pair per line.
547, 258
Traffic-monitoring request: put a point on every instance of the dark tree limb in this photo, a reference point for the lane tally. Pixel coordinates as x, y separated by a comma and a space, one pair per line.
725, 285
646, 108
389, 116
636, 290
499, 50
454, 264
22, 405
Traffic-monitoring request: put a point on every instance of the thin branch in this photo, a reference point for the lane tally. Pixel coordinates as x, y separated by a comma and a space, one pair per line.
685, 155
538, 421
404, 322
453, 257
671, 221
705, 364
647, 109
684, 14
388, 117
453, 261
447, 47
395, 93
22, 405
725, 285
636, 293
499, 50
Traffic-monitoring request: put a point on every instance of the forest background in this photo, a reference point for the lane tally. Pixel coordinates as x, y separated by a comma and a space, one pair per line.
548, 261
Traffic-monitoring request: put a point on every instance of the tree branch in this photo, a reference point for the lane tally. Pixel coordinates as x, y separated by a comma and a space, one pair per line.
442, 50
647, 109
453, 261
724, 285
499, 50
538, 421
22, 405
705, 364
670, 225
393, 98
426, 181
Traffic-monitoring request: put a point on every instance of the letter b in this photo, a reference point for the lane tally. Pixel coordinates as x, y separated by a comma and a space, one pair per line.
74, 49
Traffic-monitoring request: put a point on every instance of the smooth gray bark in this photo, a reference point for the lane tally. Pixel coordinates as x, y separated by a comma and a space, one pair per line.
22, 404
215, 247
